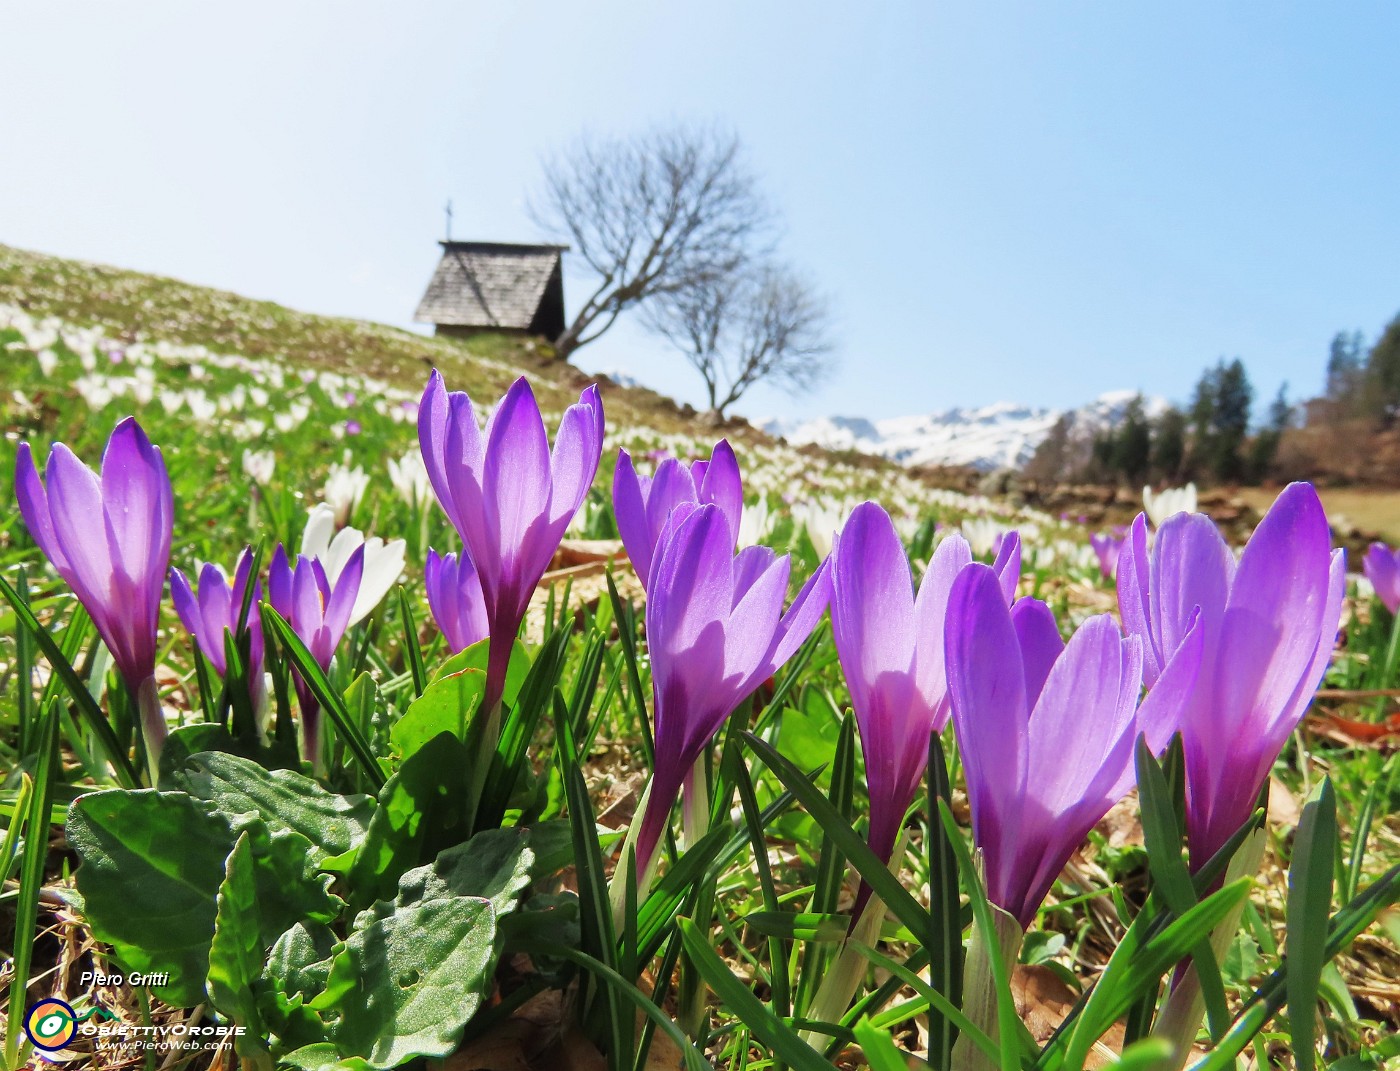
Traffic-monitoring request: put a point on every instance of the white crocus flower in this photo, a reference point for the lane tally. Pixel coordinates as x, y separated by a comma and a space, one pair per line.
343, 489
383, 562
1171, 501
982, 534
755, 523
409, 476
821, 522
260, 465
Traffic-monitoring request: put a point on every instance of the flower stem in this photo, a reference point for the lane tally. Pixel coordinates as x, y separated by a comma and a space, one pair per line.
979, 988
1180, 1019
153, 728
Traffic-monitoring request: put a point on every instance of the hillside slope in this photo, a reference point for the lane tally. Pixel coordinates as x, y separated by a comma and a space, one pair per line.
131, 305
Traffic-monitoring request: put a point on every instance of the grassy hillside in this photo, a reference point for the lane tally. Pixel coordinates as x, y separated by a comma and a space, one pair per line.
131, 305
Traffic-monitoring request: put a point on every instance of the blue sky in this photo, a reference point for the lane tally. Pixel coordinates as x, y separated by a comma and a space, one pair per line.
1032, 201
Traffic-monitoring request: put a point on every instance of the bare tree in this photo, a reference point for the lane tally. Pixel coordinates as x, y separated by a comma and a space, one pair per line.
659, 213
764, 324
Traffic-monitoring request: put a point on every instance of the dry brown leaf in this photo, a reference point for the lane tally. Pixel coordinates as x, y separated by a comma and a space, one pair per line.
501, 1048
1284, 809
573, 1052
1043, 1000
1122, 825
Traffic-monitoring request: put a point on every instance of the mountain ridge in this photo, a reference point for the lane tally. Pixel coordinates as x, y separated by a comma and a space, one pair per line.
996, 436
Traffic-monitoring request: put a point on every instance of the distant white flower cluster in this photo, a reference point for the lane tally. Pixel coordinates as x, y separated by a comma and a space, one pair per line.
108, 369
1163, 504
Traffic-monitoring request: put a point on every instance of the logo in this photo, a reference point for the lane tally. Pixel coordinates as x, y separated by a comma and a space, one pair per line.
50, 1024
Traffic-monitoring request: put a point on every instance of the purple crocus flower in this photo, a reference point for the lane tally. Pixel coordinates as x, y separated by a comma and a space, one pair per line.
642, 504
214, 611
1382, 567
1107, 546
507, 495
319, 615
1046, 730
109, 538
891, 649
454, 594
715, 631
1268, 626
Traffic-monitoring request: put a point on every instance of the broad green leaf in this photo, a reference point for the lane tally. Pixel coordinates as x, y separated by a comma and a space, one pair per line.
474, 657
446, 706
295, 974
322, 1057
420, 812
152, 866
290, 886
1309, 904
152, 863
808, 731
331, 822
406, 985
236, 952
494, 865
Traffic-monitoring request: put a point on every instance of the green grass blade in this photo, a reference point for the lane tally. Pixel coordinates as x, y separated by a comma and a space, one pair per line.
880, 1052
944, 938
31, 875
694, 1061
851, 844
331, 702
735, 996
413, 654
92, 714
1163, 839
1309, 904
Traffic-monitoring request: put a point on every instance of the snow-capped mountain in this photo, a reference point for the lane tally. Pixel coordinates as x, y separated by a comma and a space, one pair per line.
1001, 435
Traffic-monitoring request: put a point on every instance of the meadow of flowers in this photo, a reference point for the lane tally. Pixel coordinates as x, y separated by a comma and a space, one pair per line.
389, 724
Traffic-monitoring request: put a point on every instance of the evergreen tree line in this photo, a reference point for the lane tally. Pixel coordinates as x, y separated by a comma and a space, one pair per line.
1361, 383
1212, 440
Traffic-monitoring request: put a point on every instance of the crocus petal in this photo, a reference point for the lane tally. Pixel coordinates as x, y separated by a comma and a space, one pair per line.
1040, 642
989, 715
722, 485
630, 509
872, 608
930, 621
34, 508
516, 485
574, 461
1160, 715
279, 583
1192, 568
186, 606
79, 523
1008, 564
383, 565
1382, 569
139, 508
432, 442
317, 536
342, 598
1135, 598
1087, 705
672, 485
802, 616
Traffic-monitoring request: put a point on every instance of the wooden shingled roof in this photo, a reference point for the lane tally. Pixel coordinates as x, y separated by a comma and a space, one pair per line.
492, 285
